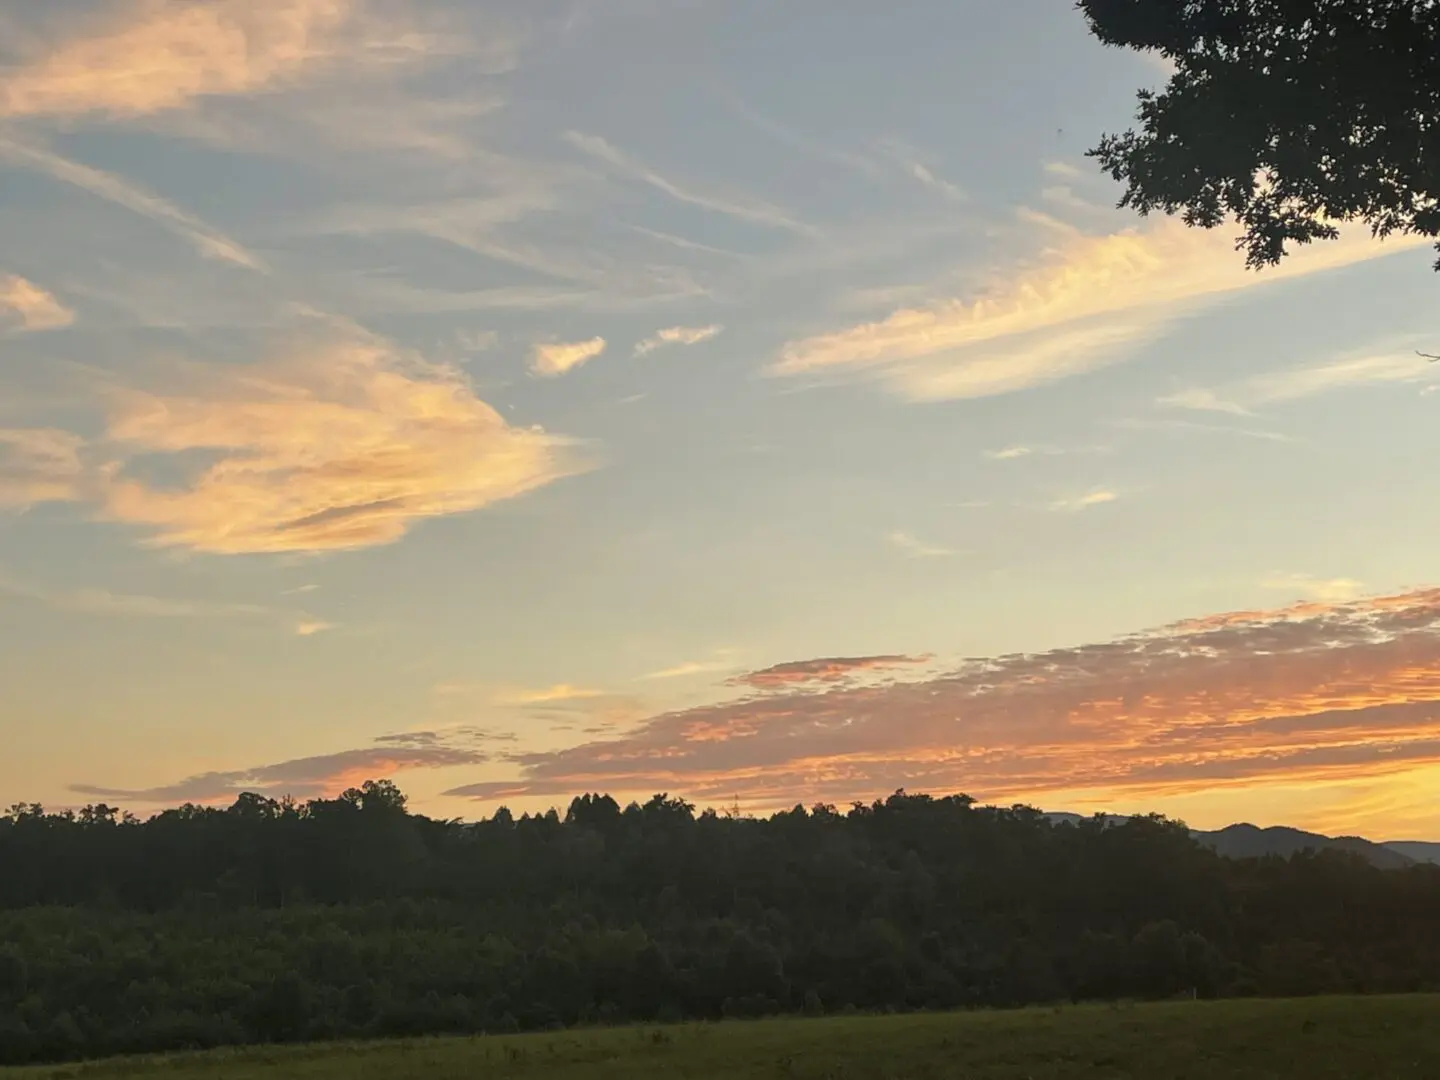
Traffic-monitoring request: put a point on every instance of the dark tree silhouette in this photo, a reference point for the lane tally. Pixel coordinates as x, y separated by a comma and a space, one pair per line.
1288, 116
275, 920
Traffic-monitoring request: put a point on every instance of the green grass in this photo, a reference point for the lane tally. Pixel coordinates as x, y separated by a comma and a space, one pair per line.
1394, 1038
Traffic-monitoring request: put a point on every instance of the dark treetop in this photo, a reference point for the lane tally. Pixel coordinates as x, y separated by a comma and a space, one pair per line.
1286, 115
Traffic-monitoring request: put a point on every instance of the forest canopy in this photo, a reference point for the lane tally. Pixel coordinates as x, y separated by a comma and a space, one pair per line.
274, 920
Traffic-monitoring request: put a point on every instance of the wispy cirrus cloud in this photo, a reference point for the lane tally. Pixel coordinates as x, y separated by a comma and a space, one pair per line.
677, 335
1010, 453
1202, 400
1319, 691
1018, 451
916, 548
1171, 423
753, 211
109, 603
1397, 365
28, 307
1072, 503
908, 160
556, 359
689, 668
210, 242
549, 695
1088, 303
92, 601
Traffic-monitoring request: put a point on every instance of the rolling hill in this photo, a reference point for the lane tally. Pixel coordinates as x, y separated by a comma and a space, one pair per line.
1246, 841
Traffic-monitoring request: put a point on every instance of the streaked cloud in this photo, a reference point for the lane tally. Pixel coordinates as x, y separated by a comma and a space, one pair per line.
689, 668
1083, 502
1089, 303
317, 776
1028, 450
26, 306
39, 465
342, 442
1316, 692
1064, 196
861, 164
677, 335
206, 240
93, 601
1202, 400
556, 359
756, 212
923, 174
154, 55
915, 547
108, 603
826, 671
1398, 365
1010, 453
550, 695
1175, 424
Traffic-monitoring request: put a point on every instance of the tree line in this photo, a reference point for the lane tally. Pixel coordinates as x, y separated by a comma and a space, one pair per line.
275, 920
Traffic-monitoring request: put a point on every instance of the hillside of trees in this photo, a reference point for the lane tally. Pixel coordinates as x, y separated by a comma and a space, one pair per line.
276, 921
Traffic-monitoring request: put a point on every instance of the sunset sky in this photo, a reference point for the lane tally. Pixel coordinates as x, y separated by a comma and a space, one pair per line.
751, 401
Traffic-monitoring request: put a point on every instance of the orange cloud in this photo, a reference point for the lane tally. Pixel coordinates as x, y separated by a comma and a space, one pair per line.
31, 307
345, 444
1088, 304
553, 360
1319, 691
551, 695
689, 668
157, 55
677, 335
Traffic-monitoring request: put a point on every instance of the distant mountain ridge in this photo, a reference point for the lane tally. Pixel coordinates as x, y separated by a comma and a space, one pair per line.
1420, 850
1246, 841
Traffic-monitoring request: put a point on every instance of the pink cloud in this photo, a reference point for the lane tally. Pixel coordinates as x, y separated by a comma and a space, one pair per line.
319, 775
1312, 691
826, 670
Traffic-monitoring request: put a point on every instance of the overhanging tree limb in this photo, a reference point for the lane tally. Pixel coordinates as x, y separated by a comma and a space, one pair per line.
1285, 116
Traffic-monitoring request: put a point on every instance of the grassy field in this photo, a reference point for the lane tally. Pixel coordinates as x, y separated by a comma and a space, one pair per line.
1395, 1038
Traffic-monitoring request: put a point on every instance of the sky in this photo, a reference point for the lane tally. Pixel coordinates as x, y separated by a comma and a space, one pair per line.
759, 403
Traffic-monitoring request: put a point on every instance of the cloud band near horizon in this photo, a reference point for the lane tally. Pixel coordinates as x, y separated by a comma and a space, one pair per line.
1318, 690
